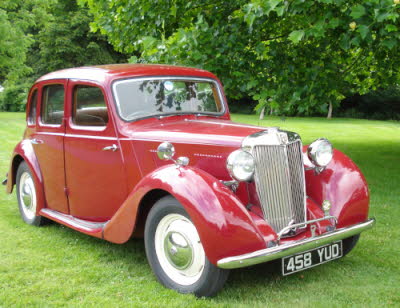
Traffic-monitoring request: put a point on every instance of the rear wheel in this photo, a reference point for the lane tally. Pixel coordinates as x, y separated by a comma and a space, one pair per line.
349, 243
26, 195
175, 253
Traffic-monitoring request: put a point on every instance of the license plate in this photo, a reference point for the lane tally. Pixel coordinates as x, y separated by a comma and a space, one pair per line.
311, 258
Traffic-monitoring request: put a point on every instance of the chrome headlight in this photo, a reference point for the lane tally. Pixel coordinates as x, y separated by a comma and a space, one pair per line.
320, 152
241, 165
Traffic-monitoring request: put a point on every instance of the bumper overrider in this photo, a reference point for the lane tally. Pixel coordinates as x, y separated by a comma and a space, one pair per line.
280, 251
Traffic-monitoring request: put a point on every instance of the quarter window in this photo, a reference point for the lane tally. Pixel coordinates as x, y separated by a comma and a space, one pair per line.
53, 104
89, 107
32, 108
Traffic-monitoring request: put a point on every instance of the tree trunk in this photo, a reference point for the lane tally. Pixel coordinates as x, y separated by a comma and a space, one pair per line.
262, 113
330, 111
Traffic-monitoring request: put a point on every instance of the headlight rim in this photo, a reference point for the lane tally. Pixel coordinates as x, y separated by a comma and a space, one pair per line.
312, 152
230, 165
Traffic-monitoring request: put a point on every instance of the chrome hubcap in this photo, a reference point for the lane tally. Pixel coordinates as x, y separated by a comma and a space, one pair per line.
27, 195
179, 249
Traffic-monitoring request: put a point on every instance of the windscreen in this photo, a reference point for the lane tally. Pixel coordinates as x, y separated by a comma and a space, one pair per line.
138, 98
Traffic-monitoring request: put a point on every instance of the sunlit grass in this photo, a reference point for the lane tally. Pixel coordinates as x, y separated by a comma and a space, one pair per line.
56, 266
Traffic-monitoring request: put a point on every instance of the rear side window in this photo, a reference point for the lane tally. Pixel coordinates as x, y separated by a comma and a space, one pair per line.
32, 108
89, 107
52, 104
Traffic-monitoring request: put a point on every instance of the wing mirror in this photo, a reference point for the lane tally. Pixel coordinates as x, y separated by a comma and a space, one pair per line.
166, 151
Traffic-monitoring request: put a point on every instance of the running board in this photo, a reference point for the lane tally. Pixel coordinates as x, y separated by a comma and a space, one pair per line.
85, 226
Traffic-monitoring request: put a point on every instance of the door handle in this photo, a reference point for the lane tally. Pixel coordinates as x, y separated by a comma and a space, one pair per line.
113, 148
37, 141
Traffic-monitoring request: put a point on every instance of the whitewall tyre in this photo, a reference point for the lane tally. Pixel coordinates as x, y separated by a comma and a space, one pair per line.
175, 253
26, 196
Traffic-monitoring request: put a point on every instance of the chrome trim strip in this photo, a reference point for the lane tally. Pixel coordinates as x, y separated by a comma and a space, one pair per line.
85, 225
51, 134
81, 136
277, 252
90, 137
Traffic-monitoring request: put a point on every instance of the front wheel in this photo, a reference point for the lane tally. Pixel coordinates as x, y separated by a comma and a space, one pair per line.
175, 253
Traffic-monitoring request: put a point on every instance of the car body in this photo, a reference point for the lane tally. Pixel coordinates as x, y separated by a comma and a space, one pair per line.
98, 156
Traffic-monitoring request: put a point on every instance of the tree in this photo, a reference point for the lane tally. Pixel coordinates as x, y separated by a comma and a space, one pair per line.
66, 41
295, 57
19, 20
40, 36
13, 43
13, 47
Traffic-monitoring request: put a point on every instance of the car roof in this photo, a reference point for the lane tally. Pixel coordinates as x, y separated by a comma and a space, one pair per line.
101, 73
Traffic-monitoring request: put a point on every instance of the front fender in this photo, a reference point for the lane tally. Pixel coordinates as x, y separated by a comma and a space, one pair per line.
24, 151
343, 184
224, 225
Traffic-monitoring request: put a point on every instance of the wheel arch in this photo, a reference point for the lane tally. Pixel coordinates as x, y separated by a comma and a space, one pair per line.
225, 227
144, 207
12, 174
24, 152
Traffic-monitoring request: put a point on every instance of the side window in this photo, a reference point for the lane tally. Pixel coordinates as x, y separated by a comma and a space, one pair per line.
52, 104
89, 107
32, 108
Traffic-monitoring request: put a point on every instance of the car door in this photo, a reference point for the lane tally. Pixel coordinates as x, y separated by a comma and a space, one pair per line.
95, 173
48, 143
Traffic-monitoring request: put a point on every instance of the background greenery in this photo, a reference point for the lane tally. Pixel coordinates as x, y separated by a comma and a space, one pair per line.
56, 266
284, 57
43, 36
292, 57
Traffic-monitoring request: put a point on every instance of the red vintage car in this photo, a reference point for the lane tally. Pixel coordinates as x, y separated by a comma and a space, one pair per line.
98, 155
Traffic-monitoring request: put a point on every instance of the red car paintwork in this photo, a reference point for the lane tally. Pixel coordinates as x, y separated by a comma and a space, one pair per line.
86, 164
345, 186
76, 178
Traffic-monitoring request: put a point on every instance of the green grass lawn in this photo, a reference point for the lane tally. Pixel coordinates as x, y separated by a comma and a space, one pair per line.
57, 266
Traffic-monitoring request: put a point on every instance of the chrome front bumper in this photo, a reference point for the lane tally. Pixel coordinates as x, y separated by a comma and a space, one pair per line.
284, 250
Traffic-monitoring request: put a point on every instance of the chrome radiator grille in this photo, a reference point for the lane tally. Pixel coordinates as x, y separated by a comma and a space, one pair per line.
279, 179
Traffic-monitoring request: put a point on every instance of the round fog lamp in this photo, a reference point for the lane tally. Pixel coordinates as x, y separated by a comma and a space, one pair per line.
320, 152
240, 165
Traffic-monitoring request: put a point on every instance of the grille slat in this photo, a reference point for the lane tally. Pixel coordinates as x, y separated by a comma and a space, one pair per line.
279, 179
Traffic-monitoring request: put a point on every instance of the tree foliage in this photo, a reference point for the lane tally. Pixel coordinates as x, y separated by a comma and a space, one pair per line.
19, 22
41, 36
12, 47
293, 56
16, 18
66, 41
